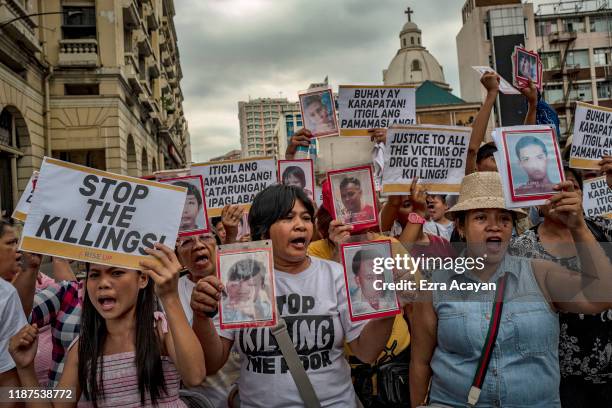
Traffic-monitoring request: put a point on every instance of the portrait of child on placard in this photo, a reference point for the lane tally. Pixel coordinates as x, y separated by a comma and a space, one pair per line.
248, 299
194, 219
297, 173
319, 112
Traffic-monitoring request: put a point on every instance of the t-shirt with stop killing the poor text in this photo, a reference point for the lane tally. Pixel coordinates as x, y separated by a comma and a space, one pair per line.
314, 306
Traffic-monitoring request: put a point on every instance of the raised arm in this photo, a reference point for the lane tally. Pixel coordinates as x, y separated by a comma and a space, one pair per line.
413, 232
230, 217
591, 290
300, 138
531, 93
181, 342
490, 81
25, 281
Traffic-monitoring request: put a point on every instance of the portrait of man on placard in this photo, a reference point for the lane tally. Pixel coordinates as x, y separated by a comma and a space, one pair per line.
353, 195
533, 163
194, 218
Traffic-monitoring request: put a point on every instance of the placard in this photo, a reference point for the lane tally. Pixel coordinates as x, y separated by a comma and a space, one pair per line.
597, 198
367, 280
23, 205
171, 173
234, 181
95, 216
592, 136
505, 87
299, 173
194, 220
354, 197
248, 276
319, 112
529, 163
526, 66
364, 107
435, 154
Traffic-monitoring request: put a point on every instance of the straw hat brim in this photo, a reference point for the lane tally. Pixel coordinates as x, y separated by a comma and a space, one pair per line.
478, 203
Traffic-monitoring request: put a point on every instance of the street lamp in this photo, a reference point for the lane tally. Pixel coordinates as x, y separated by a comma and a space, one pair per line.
68, 13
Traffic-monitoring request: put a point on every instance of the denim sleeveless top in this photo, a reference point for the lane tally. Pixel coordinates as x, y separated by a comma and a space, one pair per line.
524, 368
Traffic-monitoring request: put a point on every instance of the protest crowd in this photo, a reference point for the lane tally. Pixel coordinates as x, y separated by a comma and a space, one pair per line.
267, 296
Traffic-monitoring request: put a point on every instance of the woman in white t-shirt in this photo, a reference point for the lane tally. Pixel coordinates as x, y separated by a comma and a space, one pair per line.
311, 297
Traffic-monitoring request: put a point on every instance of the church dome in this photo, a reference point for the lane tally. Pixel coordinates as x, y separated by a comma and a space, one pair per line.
413, 64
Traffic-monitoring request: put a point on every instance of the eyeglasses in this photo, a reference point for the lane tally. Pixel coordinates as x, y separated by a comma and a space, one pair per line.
190, 241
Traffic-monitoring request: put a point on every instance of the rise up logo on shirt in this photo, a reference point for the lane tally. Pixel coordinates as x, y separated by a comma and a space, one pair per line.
312, 336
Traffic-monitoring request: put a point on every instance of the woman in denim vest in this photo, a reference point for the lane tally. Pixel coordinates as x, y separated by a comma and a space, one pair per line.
451, 325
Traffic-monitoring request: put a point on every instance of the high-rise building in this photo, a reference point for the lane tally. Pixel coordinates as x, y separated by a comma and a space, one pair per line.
258, 117
94, 82
491, 29
574, 39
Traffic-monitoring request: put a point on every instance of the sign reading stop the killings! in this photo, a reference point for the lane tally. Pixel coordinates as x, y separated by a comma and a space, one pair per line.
95, 216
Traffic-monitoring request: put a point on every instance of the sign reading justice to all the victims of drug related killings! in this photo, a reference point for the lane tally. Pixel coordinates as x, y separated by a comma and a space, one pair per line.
95, 216
234, 181
23, 206
592, 136
435, 154
597, 198
363, 107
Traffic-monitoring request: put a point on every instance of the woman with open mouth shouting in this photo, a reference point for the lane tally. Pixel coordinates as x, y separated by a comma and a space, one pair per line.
500, 347
311, 298
126, 353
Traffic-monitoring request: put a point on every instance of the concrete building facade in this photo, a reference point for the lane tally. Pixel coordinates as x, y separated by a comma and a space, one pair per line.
258, 118
491, 29
574, 40
96, 83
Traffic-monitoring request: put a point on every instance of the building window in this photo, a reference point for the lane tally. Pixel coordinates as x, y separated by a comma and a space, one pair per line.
578, 59
574, 25
507, 21
546, 27
553, 93
403, 42
601, 57
416, 65
600, 24
81, 89
581, 92
550, 60
604, 90
412, 40
79, 22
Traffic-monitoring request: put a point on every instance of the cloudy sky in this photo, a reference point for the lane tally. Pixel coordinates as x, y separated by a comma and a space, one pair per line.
235, 49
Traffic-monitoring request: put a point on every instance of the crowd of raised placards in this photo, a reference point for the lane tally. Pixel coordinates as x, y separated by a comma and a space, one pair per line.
449, 272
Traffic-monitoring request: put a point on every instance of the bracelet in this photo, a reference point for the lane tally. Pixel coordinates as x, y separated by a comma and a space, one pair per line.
212, 314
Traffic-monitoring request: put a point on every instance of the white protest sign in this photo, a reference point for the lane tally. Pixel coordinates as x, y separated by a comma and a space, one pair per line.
363, 107
597, 198
435, 154
95, 216
234, 181
23, 206
505, 87
592, 136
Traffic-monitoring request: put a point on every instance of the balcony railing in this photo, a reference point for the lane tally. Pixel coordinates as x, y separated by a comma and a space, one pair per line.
78, 53
131, 18
21, 30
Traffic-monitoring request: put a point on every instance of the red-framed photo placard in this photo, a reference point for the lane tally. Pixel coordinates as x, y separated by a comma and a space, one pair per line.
330, 112
350, 178
241, 320
356, 283
548, 135
283, 165
198, 183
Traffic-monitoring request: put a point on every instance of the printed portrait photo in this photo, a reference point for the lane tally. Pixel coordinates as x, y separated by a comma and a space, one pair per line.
319, 113
367, 299
534, 161
194, 219
297, 173
249, 289
353, 196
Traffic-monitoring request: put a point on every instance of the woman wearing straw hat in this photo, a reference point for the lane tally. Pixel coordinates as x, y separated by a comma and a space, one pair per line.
500, 348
